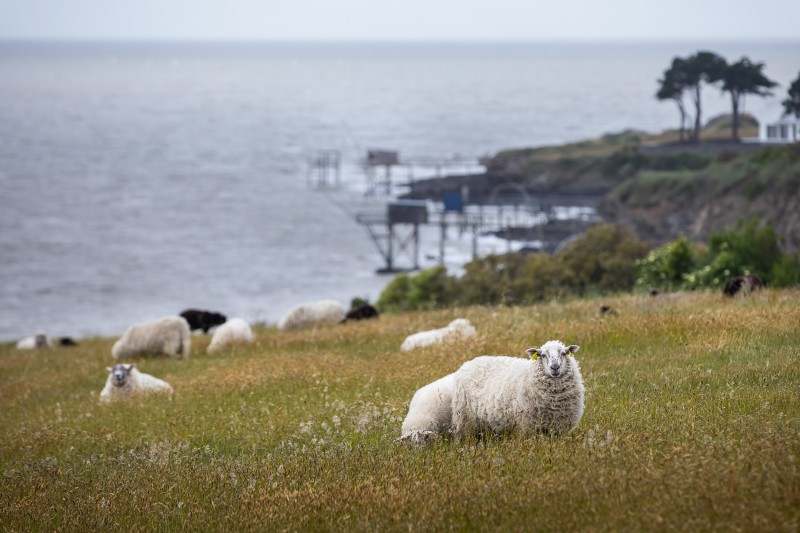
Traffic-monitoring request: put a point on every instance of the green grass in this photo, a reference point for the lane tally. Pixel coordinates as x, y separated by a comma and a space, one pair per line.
692, 423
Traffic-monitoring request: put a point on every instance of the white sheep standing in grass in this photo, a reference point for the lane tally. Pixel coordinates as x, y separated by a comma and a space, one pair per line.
429, 413
312, 314
125, 381
38, 340
233, 331
501, 394
460, 328
169, 335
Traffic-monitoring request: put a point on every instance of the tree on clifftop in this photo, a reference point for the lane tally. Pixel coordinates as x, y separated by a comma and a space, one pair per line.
742, 78
689, 74
702, 67
671, 87
791, 106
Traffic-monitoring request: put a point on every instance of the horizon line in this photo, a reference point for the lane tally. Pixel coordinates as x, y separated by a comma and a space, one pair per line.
260, 40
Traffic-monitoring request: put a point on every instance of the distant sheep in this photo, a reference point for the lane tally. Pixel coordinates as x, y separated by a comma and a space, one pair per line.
500, 394
169, 335
361, 312
460, 328
312, 314
429, 413
608, 310
38, 340
204, 320
125, 381
743, 284
66, 342
234, 331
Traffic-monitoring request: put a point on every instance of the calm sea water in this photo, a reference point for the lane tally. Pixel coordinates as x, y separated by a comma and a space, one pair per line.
140, 179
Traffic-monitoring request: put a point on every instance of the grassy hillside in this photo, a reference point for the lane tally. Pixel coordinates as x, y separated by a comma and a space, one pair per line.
660, 204
692, 422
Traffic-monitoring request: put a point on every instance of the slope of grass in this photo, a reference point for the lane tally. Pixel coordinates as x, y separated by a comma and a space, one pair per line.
692, 422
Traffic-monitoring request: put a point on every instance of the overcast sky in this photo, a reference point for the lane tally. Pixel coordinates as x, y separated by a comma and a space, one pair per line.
400, 19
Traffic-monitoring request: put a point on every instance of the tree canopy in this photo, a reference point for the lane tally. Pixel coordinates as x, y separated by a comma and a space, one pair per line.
688, 75
742, 78
791, 106
672, 87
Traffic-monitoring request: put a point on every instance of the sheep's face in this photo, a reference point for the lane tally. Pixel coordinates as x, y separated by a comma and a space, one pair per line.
553, 357
120, 374
40, 340
462, 326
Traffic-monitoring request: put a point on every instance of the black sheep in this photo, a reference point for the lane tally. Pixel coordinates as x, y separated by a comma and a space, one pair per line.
744, 284
204, 320
67, 341
361, 312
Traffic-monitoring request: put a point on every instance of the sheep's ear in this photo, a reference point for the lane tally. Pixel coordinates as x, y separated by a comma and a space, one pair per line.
130, 367
533, 352
109, 369
573, 348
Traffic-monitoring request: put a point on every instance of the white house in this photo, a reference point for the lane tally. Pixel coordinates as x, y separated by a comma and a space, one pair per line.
786, 130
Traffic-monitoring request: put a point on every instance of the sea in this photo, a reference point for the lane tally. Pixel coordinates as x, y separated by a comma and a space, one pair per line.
138, 179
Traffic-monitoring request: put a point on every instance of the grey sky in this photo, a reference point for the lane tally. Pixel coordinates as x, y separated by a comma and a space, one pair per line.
400, 19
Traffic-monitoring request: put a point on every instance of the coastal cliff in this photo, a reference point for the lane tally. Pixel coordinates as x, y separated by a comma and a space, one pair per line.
658, 187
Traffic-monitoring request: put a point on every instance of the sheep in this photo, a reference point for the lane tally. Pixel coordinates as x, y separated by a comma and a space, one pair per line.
169, 335
743, 284
429, 413
361, 312
67, 342
312, 314
502, 394
458, 328
607, 310
38, 340
204, 320
125, 381
235, 330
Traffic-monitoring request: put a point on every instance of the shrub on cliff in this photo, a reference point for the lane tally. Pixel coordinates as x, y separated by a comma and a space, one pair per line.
750, 248
665, 267
602, 260
426, 290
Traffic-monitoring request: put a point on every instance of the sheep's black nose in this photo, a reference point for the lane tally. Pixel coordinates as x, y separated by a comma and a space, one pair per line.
554, 367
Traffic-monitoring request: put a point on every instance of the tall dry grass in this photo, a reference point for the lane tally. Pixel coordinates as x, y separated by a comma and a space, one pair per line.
692, 423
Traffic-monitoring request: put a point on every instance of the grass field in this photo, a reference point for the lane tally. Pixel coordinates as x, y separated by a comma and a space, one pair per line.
692, 423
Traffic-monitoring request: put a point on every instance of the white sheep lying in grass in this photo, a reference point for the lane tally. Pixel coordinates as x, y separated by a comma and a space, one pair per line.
233, 331
312, 314
460, 328
169, 335
429, 413
502, 394
38, 340
125, 381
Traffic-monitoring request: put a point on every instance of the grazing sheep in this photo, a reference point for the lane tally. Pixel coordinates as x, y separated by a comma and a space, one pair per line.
169, 335
460, 328
312, 314
429, 413
743, 284
125, 381
234, 331
204, 320
361, 312
66, 342
38, 340
608, 310
501, 394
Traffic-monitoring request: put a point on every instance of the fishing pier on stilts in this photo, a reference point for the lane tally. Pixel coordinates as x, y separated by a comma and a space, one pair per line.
506, 210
